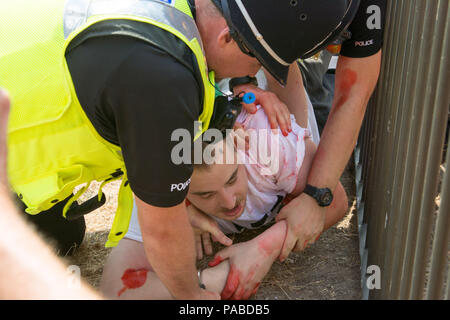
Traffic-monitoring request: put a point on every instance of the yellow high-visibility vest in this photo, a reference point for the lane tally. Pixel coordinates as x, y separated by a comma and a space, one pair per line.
53, 146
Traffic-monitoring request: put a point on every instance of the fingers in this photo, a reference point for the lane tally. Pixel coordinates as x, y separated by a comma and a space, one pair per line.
256, 289
237, 126
277, 112
250, 108
245, 293
288, 245
284, 121
306, 244
251, 292
280, 119
239, 294
232, 283
300, 246
198, 246
241, 139
221, 237
281, 216
217, 259
203, 243
207, 246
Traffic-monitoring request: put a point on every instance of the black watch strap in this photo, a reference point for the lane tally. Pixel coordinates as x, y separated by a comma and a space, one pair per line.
242, 80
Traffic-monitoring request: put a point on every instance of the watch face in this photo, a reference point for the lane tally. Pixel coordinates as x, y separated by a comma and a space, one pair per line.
326, 197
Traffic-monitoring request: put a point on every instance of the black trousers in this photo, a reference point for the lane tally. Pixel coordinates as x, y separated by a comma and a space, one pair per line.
66, 235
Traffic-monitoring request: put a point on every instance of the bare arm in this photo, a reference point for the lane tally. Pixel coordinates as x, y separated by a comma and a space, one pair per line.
28, 268
355, 82
169, 246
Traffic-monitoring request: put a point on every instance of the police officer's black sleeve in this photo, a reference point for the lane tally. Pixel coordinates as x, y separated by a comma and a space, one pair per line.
366, 30
145, 96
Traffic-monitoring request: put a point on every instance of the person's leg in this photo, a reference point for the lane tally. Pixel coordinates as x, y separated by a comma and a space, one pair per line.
127, 274
66, 235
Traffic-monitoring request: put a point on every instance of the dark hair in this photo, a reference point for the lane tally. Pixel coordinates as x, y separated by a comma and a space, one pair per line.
204, 165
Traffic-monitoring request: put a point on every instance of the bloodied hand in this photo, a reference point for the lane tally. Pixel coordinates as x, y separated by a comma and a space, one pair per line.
248, 266
277, 112
250, 261
305, 222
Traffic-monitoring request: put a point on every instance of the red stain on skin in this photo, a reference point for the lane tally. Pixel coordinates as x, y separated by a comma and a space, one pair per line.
348, 80
265, 245
215, 261
239, 294
133, 279
305, 244
232, 283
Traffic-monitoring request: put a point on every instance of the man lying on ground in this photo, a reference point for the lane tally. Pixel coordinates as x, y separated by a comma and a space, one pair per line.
227, 198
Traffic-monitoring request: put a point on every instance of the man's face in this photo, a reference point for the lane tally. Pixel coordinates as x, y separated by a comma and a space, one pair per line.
223, 54
234, 63
220, 190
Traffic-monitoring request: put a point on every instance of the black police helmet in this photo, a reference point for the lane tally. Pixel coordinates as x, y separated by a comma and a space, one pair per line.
277, 32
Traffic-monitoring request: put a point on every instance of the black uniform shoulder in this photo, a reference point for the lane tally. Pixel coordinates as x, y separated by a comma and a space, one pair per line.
366, 29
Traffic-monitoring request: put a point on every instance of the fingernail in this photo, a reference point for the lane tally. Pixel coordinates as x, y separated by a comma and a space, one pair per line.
285, 134
318, 237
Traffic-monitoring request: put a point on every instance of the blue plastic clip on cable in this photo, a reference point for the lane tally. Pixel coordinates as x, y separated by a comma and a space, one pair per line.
249, 98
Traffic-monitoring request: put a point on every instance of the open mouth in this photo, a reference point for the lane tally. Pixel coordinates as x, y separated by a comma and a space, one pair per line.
235, 211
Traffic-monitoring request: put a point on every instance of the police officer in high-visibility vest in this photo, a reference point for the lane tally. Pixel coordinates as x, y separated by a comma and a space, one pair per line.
98, 87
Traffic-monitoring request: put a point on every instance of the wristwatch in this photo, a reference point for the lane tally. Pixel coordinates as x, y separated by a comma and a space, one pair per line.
323, 196
242, 80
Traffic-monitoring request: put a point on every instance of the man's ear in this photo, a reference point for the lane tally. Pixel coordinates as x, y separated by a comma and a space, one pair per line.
224, 37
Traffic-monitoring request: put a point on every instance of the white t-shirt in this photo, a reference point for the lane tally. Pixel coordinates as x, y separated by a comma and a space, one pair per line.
268, 181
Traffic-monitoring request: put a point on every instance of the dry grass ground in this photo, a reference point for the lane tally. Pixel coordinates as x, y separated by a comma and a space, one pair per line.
330, 269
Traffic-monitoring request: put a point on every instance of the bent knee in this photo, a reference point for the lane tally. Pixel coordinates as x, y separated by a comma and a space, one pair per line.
128, 254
